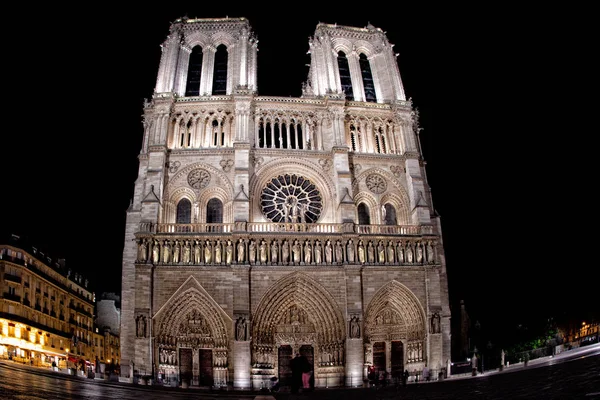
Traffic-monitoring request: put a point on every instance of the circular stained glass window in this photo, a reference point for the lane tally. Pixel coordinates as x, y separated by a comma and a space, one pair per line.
291, 198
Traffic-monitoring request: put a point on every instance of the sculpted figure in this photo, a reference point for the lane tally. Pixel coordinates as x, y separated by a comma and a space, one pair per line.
143, 250
274, 251
381, 252
318, 252
285, 251
296, 251
218, 252
176, 251
166, 252
338, 252
263, 251
207, 252
229, 252
419, 253
156, 252
328, 252
371, 253
307, 252
252, 252
187, 252
361, 252
240, 251
197, 252
350, 250
390, 252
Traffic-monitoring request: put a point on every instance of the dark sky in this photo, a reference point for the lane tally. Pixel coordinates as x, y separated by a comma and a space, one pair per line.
500, 110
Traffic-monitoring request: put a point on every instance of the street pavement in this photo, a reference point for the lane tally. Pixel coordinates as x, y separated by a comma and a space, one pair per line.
571, 375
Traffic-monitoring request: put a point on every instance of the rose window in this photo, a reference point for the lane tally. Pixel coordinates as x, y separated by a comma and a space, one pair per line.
376, 183
291, 198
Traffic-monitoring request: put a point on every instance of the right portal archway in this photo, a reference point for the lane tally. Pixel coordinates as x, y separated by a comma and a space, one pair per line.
395, 330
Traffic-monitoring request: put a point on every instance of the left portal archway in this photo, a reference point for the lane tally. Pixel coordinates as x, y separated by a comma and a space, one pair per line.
191, 320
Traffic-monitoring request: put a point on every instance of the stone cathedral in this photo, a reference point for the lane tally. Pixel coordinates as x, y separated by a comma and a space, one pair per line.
262, 227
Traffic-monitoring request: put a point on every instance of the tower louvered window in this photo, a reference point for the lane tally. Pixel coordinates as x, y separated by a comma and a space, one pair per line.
194, 72
220, 72
345, 79
367, 77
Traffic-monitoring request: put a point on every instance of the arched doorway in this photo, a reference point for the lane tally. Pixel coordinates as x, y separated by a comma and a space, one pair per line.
298, 315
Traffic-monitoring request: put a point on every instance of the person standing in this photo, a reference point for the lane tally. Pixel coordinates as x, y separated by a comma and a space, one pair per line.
296, 373
405, 377
426, 373
306, 373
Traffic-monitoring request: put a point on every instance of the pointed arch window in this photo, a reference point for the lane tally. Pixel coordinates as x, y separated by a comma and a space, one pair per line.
367, 77
363, 214
214, 211
345, 80
390, 215
192, 87
184, 212
220, 72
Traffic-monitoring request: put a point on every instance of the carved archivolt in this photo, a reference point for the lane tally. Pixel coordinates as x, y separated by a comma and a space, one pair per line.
191, 318
298, 301
394, 313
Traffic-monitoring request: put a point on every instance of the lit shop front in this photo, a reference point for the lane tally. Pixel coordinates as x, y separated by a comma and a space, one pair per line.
25, 344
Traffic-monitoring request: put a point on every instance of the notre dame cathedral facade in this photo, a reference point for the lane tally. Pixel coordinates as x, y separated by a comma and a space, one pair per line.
262, 227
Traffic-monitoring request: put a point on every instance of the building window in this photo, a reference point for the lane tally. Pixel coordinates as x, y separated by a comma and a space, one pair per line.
363, 214
184, 212
194, 72
389, 215
367, 77
220, 72
214, 212
291, 198
345, 78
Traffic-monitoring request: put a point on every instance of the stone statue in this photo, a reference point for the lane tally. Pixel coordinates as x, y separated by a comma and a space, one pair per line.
435, 323
317, 252
252, 252
187, 252
296, 251
350, 250
390, 252
307, 252
354, 328
409, 253
207, 252
218, 252
361, 252
156, 252
241, 329
263, 252
166, 252
338, 252
285, 251
143, 250
419, 253
176, 251
381, 252
371, 253
430, 253
274, 251
328, 252
240, 251
197, 252
229, 252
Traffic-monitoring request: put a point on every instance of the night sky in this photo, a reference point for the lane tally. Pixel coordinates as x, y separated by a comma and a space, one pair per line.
499, 113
